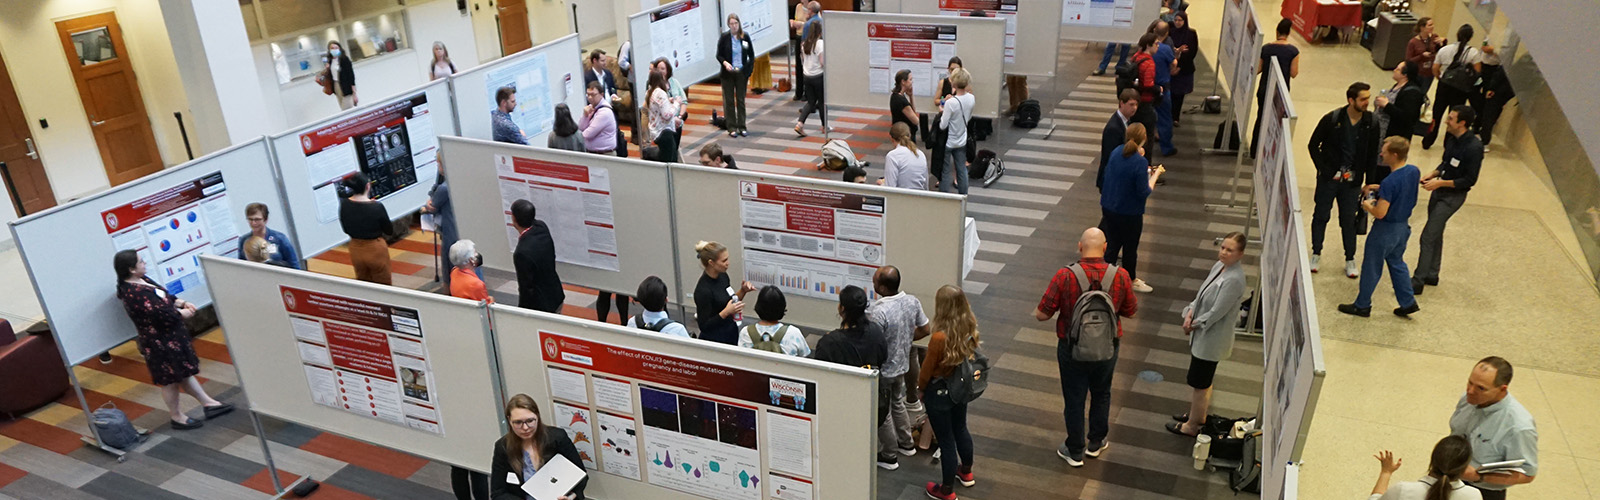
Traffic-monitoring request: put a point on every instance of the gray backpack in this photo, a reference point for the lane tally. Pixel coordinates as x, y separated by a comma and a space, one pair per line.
1094, 317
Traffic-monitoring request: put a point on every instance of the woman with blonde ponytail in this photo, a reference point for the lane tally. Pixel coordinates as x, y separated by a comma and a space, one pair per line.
1443, 482
906, 166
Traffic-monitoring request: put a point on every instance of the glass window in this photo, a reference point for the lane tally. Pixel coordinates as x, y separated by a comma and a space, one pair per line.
94, 46
375, 36
357, 8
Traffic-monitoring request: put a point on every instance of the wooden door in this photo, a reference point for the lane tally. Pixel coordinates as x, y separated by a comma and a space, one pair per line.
515, 34
110, 95
29, 188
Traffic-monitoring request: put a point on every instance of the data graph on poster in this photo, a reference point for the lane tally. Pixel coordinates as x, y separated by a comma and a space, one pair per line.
808, 241
364, 357
699, 428
394, 145
1003, 9
172, 228
924, 49
676, 34
1102, 13
530, 78
573, 200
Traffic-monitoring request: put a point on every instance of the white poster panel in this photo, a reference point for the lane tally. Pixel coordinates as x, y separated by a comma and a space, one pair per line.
809, 241
766, 21
1100, 13
530, 79
924, 49
1003, 9
574, 200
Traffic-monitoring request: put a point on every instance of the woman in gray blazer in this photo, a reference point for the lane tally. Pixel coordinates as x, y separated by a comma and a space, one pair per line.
1209, 323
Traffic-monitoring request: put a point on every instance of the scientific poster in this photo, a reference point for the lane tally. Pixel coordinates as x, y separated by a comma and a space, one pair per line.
1102, 13
364, 357
535, 111
393, 144
808, 241
1003, 9
755, 18
676, 34
578, 423
573, 200
925, 49
701, 421
172, 228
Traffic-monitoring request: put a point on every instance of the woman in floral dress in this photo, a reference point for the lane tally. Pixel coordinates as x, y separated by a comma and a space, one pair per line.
163, 339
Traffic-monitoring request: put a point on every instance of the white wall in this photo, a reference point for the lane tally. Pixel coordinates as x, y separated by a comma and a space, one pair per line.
1552, 32
551, 19
302, 101
597, 20
38, 67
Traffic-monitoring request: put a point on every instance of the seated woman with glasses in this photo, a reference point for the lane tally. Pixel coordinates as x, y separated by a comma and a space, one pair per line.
525, 449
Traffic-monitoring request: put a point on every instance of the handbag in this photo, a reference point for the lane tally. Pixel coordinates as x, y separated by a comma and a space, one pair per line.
1459, 75
325, 79
114, 428
1363, 222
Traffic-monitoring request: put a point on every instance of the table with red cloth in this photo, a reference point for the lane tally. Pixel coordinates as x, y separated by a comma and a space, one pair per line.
1309, 15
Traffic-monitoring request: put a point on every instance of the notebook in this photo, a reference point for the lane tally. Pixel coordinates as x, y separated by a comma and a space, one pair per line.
557, 477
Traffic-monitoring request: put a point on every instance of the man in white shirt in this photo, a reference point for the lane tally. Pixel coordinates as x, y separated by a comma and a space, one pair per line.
1499, 428
652, 295
901, 317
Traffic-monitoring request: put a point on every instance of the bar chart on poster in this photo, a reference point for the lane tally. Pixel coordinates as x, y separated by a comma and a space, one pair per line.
810, 241
172, 228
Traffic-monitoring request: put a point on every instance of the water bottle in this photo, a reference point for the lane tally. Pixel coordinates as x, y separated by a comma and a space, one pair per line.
1202, 451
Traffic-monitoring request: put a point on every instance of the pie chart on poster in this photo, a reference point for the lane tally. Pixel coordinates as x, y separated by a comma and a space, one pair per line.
174, 223
166, 245
871, 254
193, 217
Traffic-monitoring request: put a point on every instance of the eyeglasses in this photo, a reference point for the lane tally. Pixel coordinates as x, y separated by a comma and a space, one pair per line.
525, 423
256, 219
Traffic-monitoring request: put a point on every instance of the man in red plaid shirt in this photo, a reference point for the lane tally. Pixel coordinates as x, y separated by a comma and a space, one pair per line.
1078, 377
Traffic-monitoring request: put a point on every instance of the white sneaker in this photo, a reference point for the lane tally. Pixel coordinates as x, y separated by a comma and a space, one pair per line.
1350, 269
1139, 286
1316, 262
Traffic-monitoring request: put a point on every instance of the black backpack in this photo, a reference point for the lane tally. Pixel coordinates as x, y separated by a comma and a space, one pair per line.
654, 327
1027, 115
1247, 477
1127, 76
966, 382
986, 168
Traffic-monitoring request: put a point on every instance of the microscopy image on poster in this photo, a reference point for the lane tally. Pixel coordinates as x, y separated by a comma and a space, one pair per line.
393, 144
693, 457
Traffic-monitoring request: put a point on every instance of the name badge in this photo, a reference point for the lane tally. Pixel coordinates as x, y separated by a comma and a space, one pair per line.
272, 249
511, 477
161, 293
1455, 162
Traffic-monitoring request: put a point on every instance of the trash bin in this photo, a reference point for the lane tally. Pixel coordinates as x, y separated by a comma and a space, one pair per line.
1389, 43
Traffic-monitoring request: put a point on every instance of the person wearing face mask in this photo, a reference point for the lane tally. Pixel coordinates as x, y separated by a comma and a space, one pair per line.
464, 280
344, 76
528, 447
1499, 428
1208, 320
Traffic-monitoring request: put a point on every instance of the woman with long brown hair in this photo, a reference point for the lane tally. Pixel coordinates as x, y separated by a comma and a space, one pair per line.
811, 60
661, 113
525, 449
954, 340
1443, 482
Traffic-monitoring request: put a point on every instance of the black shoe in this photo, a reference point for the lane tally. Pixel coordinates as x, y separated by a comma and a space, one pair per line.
1352, 310
1099, 72
189, 425
1417, 286
1180, 417
105, 358
1406, 312
1177, 428
218, 410
1431, 281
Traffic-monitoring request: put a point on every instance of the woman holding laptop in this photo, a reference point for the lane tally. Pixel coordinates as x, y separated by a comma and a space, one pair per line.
528, 447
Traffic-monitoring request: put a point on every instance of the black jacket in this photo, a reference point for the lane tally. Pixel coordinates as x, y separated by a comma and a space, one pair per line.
725, 53
1327, 148
1405, 111
608, 83
1115, 134
346, 77
555, 443
538, 285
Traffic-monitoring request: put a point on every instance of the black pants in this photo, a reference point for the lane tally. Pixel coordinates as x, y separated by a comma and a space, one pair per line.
1493, 494
813, 85
1122, 239
796, 63
469, 485
1489, 115
1146, 115
1443, 99
1177, 107
667, 146
602, 309
1347, 195
1079, 380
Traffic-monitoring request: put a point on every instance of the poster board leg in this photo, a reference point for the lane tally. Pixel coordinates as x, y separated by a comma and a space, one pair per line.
272, 468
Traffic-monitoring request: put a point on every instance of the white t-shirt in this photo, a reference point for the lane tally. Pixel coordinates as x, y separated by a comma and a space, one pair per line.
907, 168
812, 63
674, 329
1448, 54
957, 110
1418, 490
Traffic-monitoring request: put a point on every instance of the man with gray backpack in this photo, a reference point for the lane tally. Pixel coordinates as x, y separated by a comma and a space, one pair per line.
1092, 297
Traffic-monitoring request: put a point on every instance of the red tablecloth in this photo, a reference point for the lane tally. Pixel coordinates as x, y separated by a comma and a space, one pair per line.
1309, 14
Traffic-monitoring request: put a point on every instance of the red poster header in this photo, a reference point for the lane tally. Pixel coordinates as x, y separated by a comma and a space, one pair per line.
351, 310
554, 170
734, 383
907, 49
359, 349
390, 115
945, 32
809, 196
166, 200
985, 5
673, 10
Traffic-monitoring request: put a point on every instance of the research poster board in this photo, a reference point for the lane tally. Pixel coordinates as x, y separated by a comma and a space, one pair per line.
394, 142
920, 43
610, 217
1025, 20
415, 369
678, 419
685, 32
1276, 194
1241, 55
810, 237
767, 22
543, 77
1119, 21
1294, 377
171, 218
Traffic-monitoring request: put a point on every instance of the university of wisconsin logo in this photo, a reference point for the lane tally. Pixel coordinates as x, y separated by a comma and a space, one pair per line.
288, 299
551, 349
111, 221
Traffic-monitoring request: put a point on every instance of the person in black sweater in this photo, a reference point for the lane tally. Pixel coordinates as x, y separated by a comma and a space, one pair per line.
1401, 105
1343, 147
525, 449
737, 58
368, 225
718, 306
857, 342
538, 285
902, 105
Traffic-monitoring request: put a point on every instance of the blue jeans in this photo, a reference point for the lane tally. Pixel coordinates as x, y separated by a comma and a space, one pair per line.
950, 426
1106, 59
1164, 124
954, 156
1386, 245
1079, 378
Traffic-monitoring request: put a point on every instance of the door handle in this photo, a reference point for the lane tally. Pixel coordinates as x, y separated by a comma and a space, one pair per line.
97, 123
32, 153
